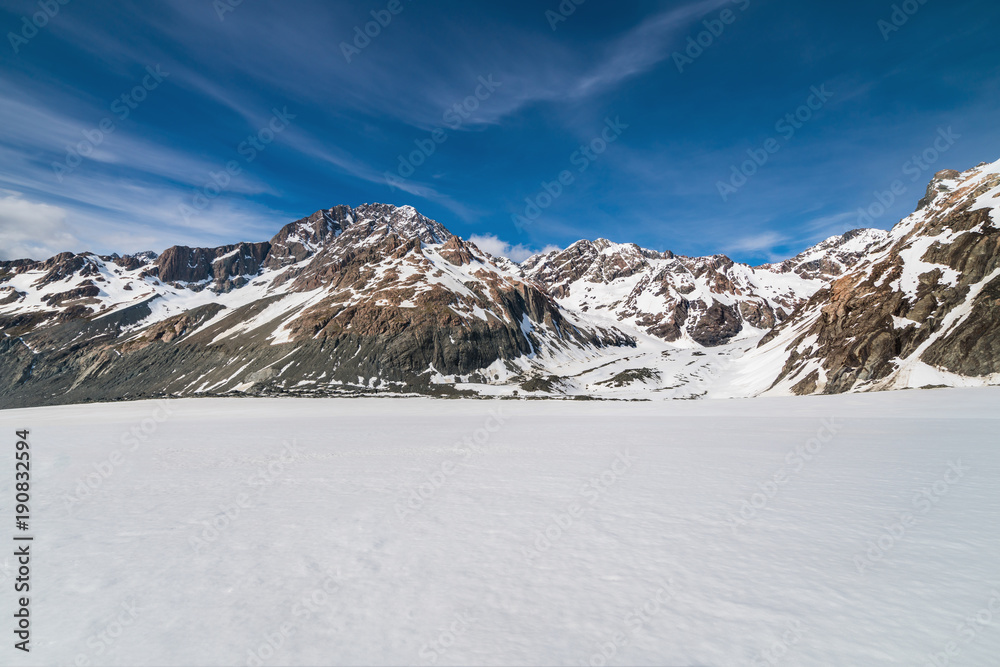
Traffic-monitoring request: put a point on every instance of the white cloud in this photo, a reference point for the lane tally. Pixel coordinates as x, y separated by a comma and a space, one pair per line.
30, 230
500, 248
759, 244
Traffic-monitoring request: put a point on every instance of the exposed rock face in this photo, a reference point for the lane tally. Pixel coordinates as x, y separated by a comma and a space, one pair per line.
717, 325
132, 262
937, 186
706, 300
87, 289
458, 252
371, 298
922, 306
298, 240
381, 299
225, 268
833, 257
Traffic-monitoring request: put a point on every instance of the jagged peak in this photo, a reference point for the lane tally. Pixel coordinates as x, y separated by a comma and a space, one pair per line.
404, 221
605, 247
947, 189
832, 256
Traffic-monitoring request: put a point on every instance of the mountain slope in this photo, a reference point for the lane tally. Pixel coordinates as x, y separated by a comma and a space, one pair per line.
923, 308
381, 299
371, 298
707, 301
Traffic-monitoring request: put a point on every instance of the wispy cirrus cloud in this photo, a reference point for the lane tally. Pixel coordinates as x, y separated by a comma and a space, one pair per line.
758, 244
656, 187
642, 48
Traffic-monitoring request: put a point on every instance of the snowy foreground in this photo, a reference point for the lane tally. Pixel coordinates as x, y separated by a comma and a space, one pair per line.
847, 530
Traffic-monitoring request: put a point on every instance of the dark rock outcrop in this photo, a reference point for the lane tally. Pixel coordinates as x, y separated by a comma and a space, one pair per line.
224, 268
930, 297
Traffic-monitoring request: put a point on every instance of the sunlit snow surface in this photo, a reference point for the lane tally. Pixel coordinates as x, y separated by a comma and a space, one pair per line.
648, 557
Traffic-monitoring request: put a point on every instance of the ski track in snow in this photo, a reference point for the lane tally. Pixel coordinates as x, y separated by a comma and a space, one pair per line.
466, 568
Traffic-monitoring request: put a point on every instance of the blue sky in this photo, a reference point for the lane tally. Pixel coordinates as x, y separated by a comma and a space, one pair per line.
675, 127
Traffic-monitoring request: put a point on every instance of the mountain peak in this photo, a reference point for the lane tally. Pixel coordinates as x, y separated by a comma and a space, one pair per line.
380, 297
349, 227
833, 256
404, 221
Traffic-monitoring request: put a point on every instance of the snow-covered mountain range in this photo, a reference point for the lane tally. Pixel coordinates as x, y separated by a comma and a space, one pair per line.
380, 299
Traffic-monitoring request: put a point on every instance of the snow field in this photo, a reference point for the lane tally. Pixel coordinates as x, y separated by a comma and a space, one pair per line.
855, 529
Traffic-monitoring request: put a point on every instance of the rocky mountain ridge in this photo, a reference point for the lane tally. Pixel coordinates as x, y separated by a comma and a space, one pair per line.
705, 300
379, 299
923, 309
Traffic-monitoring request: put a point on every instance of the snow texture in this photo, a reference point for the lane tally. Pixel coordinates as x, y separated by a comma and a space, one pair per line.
846, 530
